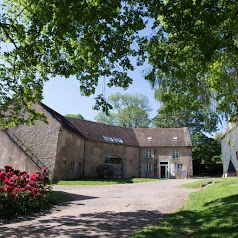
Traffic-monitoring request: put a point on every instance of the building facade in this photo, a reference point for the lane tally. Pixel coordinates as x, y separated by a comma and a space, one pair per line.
229, 148
71, 149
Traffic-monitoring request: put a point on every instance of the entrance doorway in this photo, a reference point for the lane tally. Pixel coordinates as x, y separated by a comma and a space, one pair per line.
115, 164
164, 169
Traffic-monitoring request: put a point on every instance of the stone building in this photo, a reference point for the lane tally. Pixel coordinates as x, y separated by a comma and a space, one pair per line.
71, 149
229, 149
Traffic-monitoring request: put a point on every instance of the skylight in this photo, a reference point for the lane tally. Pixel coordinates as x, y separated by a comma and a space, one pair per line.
108, 138
118, 140
112, 139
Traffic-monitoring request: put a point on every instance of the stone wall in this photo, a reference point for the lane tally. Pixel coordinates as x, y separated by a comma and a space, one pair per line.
229, 148
70, 155
96, 152
13, 156
38, 140
165, 154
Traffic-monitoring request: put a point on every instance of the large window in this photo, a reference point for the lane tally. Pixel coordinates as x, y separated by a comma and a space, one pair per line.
148, 153
175, 154
179, 167
148, 167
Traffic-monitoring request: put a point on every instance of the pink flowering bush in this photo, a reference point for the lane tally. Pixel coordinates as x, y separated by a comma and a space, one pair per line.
22, 193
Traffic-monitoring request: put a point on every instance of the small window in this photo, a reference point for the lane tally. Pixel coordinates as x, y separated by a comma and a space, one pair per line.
148, 154
117, 140
64, 162
149, 138
175, 154
179, 167
237, 155
148, 167
175, 138
72, 164
108, 138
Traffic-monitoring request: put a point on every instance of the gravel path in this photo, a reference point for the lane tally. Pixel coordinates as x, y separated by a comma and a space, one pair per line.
103, 211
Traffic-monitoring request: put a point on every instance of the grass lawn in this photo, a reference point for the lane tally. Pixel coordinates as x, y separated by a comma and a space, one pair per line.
97, 181
210, 212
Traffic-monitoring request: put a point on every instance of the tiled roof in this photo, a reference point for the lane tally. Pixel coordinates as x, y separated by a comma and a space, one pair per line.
61, 119
157, 137
95, 131
144, 137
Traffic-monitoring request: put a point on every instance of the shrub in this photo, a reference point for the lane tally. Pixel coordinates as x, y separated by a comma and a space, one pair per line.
22, 193
104, 171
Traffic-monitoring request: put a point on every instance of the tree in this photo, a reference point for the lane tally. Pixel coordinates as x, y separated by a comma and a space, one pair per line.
42, 39
77, 116
128, 110
206, 150
195, 118
195, 54
192, 49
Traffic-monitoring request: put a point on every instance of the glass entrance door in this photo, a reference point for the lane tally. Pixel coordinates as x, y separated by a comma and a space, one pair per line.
164, 168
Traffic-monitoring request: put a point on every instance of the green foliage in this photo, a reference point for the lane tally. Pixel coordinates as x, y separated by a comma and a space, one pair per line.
210, 212
192, 48
21, 193
197, 120
103, 171
77, 116
194, 55
128, 110
43, 39
205, 150
108, 181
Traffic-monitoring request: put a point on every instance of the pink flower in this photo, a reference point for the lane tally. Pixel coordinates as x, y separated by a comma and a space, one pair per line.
31, 183
34, 176
2, 175
16, 190
10, 174
8, 168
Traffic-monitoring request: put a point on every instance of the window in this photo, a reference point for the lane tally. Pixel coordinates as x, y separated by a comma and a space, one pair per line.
148, 153
175, 138
64, 162
117, 140
108, 138
175, 154
113, 139
149, 138
113, 159
148, 167
72, 164
179, 167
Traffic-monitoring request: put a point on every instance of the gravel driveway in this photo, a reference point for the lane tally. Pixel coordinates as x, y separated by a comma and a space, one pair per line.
104, 211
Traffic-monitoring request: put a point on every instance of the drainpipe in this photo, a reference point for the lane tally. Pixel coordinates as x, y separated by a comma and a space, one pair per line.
84, 146
139, 164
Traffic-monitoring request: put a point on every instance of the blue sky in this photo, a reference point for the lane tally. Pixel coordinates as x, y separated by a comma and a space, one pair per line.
63, 95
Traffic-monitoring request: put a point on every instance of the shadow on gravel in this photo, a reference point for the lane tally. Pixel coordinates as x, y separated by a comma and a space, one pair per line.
107, 224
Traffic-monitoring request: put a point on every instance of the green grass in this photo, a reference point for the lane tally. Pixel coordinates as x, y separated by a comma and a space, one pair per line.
210, 212
97, 181
202, 182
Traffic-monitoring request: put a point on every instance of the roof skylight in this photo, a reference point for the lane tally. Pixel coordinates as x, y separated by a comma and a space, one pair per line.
113, 139
118, 140
108, 138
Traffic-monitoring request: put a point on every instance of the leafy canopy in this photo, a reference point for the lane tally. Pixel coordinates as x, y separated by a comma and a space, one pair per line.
129, 110
192, 50
194, 55
42, 39
77, 116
